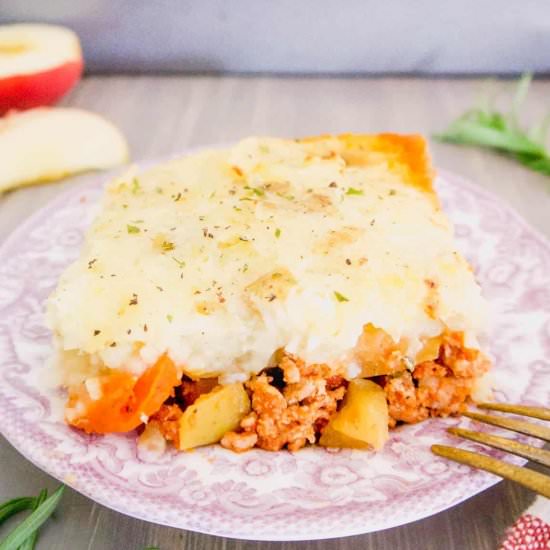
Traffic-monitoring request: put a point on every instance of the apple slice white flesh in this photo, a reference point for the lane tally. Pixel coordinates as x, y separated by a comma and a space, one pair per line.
38, 64
46, 143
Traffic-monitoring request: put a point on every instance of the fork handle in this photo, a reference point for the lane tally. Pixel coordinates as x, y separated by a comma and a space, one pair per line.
535, 481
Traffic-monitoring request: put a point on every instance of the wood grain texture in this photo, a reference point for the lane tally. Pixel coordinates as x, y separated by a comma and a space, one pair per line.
163, 115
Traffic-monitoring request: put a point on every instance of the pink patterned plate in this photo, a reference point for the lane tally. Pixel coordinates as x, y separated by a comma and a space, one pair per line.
311, 494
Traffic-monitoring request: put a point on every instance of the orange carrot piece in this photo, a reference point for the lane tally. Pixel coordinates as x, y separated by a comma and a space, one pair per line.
124, 401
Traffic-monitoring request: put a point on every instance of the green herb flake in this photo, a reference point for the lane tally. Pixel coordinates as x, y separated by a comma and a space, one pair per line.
277, 233
133, 229
181, 263
287, 197
136, 187
353, 191
258, 191
340, 297
170, 318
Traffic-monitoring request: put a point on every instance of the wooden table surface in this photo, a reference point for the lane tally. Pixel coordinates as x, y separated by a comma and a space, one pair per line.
163, 115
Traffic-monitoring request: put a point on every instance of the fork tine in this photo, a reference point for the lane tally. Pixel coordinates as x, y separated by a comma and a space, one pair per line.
524, 410
515, 447
528, 478
520, 426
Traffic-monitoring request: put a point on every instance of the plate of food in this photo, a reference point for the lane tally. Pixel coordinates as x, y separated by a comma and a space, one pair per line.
262, 341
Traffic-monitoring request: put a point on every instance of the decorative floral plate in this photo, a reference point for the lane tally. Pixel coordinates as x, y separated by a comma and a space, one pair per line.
314, 493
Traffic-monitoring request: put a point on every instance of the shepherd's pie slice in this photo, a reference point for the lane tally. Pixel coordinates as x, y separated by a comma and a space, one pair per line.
250, 286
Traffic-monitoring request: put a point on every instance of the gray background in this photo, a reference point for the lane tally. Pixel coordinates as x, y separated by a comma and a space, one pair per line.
302, 36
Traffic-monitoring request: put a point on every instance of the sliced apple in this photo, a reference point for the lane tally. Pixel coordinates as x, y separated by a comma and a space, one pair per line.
38, 65
49, 143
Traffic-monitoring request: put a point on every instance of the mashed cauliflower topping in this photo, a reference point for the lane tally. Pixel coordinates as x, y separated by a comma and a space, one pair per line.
221, 258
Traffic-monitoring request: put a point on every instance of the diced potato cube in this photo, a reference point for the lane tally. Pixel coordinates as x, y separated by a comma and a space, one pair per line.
378, 354
332, 438
362, 421
371, 370
212, 415
429, 351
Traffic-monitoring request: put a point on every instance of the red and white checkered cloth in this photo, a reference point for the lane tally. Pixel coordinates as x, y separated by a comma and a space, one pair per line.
532, 530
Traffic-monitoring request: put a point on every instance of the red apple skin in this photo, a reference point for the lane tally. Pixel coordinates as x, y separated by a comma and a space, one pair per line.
38, 89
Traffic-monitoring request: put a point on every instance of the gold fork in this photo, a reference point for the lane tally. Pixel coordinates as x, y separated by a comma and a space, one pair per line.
529, 478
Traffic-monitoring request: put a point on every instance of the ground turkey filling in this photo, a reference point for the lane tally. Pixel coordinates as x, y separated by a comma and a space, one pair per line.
292, 402
435, 388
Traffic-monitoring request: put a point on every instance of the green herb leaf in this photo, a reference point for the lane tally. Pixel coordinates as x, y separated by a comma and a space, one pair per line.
538, 164
277, 233
170, 318
133, 229
33, 522
30, 543
352, 191
472, 130
539, 132
340, 297
485, 127
14, 506
135, 186
519, 98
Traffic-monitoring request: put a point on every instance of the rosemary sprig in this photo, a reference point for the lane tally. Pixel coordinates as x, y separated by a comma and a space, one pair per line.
30, 525
14, 506
25, 535
486, 127
30, 543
